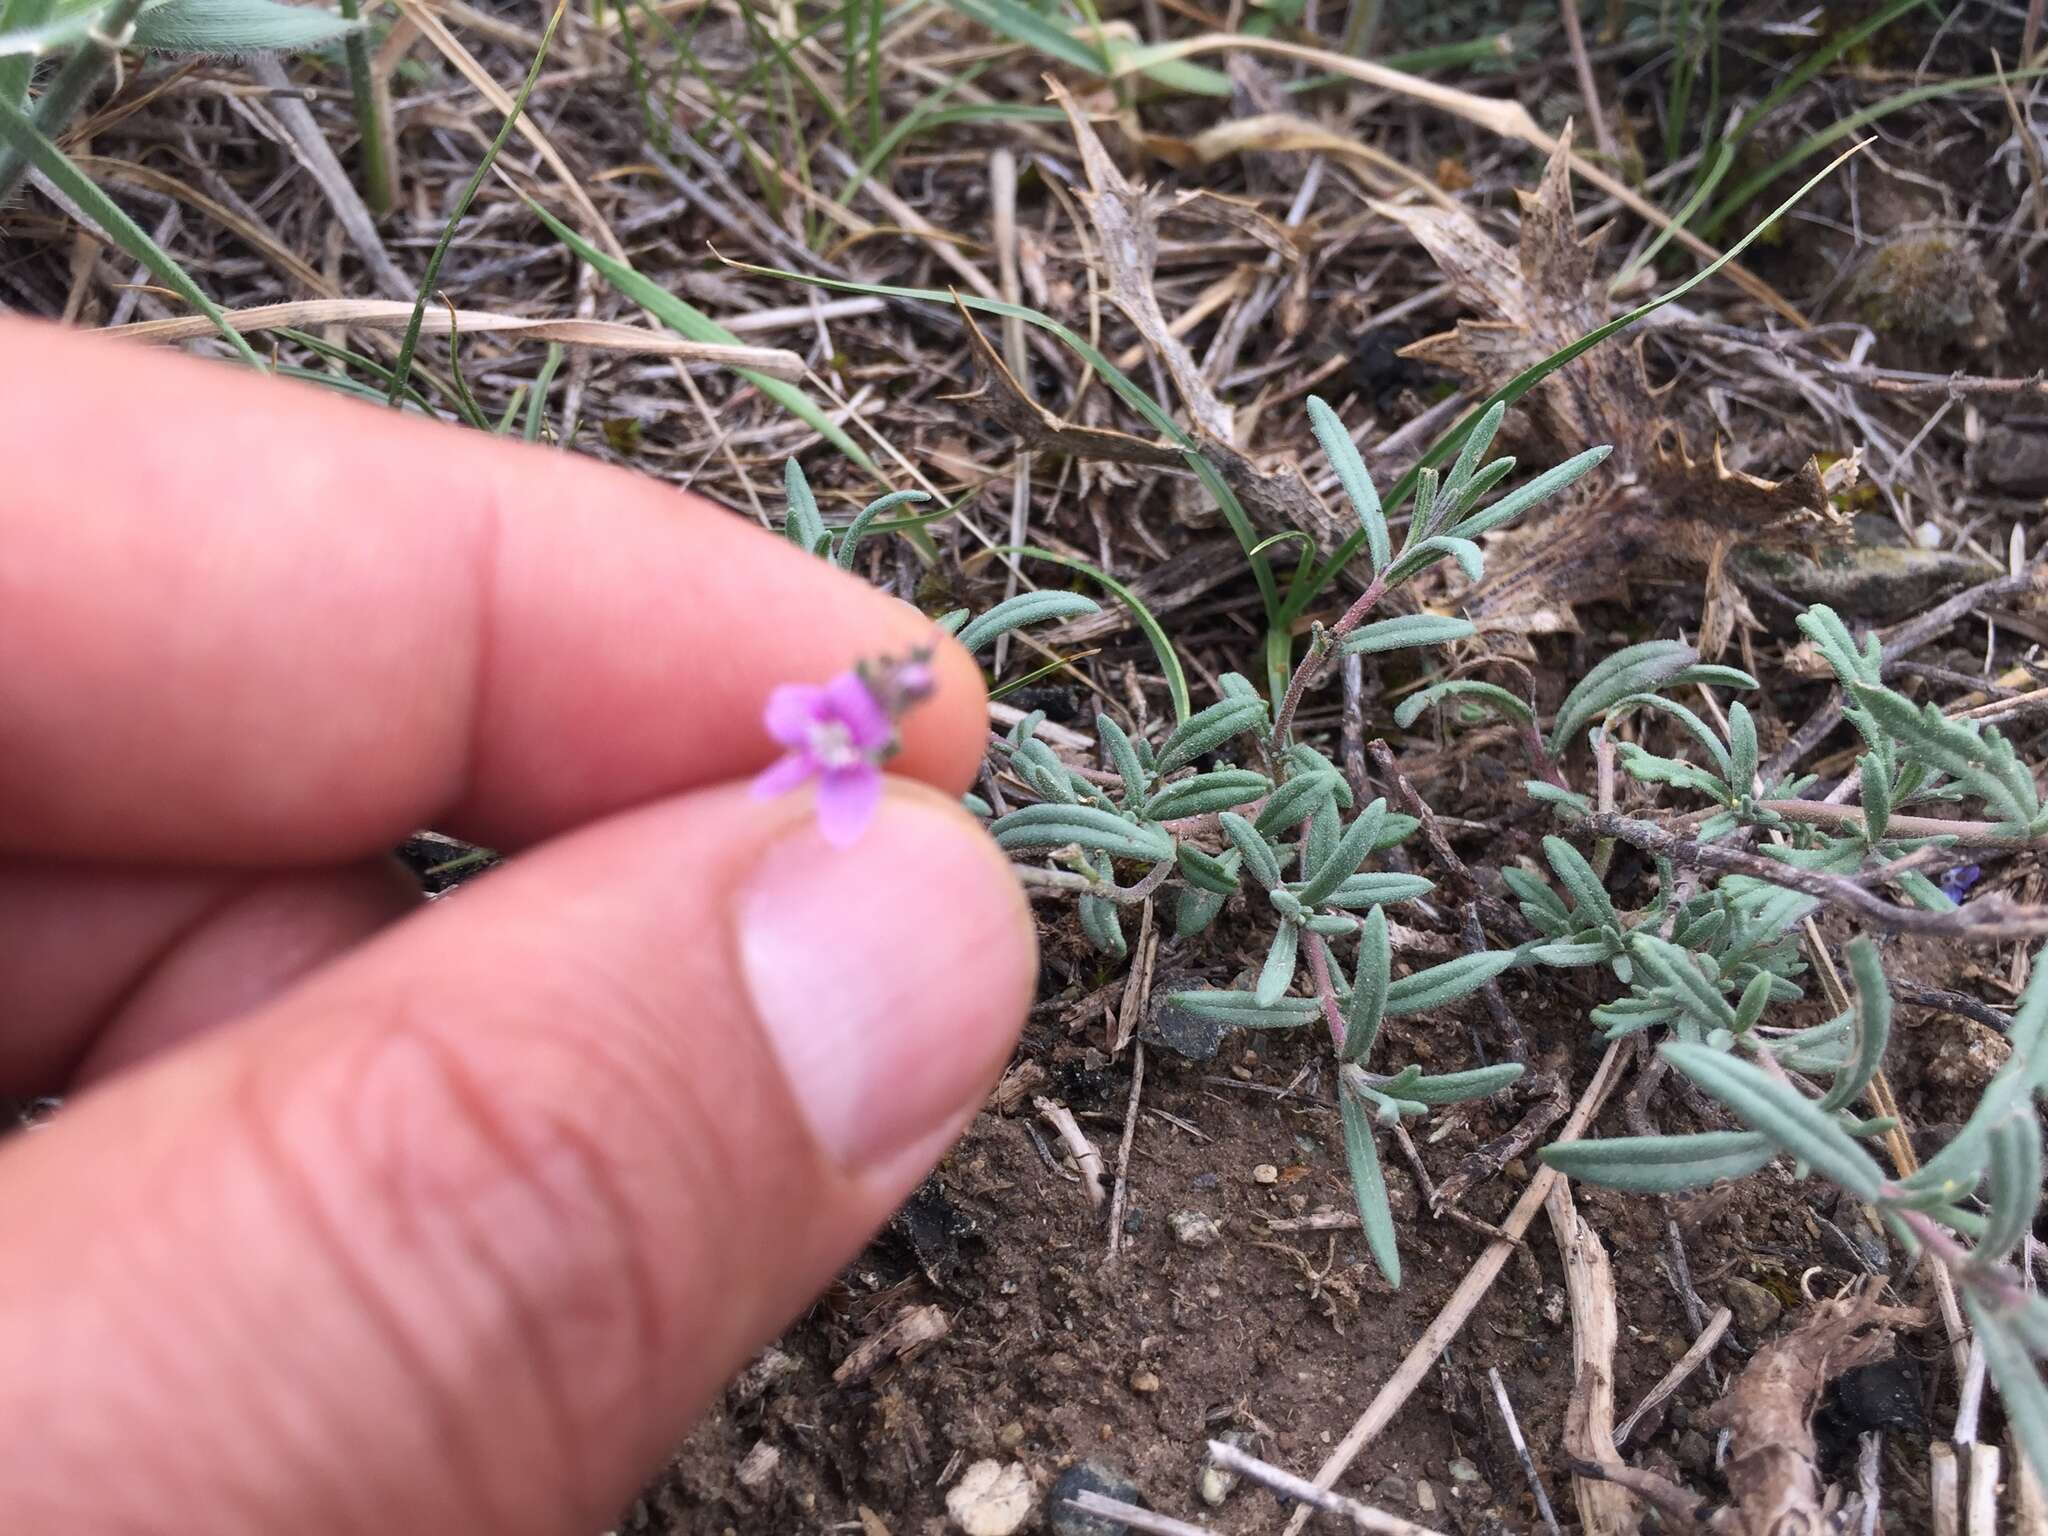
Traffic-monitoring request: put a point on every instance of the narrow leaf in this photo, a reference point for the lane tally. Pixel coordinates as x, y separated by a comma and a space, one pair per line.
1661, 1165
1793, 1122
1369, 1186
1448, 982
1368, 988
1025, 608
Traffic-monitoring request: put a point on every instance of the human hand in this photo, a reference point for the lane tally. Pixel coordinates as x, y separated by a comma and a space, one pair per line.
362, 1218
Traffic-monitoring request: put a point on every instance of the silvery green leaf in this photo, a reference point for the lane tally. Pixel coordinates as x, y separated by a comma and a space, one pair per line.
2014, 1185
1195, 910
801, 524
974, 805
1368, 1001
1286, 903
1410, 629
1099, 831
1873, 1025
1709, 675
1331, 925
1395, 828
1698, 729
1958, 1166
1260, 860
1304, 758
1923, 891
1295, 801
1976, 757
236, 27
53, 27
1471, 560
1342, 861
1027, 725
1277, 974
1041, 768
1473, 449
1222, 790
1567, 956
1831, 637
1325, 827
1212, 873
1025, 608
1461, 1087
1235, 685
1461, 499
1351, 474
1755, 998
1124, 758
1590, 905
949, 623
2018, 1377
1445, 983
1794, 1123
1661, 1165
1689, 987
1101, 924
1570, 802
1242, 1010
1372, 890
1648, 768
857, 530
1206, 730
1368, 1185
1742, 749
1423, 513
1631, 1015
1530, 493
1877, 796
1540, 904
1492, 694
1633, 669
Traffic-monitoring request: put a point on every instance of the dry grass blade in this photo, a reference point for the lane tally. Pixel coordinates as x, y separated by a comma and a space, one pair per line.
1604, 1509
437, 33
1509, 119
1379, 1413
389, 315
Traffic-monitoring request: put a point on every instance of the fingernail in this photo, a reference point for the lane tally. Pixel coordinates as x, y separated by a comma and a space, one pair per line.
890, 977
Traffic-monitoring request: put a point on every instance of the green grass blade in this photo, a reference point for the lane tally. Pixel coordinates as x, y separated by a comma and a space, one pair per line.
410, 345
15, 69
1841, 128
20, 135
685, 319
1169, 659
537, 402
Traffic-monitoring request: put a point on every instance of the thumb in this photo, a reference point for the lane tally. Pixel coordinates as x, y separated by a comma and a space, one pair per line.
463, 1232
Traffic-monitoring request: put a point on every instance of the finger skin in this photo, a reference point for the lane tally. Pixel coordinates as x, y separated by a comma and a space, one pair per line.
104, 967
250, 622
460, 1233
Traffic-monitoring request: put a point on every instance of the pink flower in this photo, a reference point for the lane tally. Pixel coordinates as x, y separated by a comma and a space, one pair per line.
838, 735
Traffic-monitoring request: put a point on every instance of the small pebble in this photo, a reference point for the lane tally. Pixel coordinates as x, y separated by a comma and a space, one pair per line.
1215, 1483
1927, 536
1203, 1181
1391, 1490
1194, 1229
991, 1499
1425, 1498
1144, 1379
1010, 1436
1756, 1309
1265, 1173
1695, 1453
1134, 1223
1462, 1471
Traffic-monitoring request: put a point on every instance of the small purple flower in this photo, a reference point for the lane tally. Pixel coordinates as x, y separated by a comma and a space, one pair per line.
1957, 881
840, 734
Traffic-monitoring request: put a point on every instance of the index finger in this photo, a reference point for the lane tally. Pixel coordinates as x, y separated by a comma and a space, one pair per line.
243, 621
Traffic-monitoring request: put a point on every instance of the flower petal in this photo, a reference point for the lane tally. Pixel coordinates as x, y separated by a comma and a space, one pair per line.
847, 798
793, 708
784, 774
847, 700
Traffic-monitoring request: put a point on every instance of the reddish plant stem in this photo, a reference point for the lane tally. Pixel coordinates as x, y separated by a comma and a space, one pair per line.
1318, 651
1326, 989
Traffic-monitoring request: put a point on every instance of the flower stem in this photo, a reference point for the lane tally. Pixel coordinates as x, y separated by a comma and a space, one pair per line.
1318, 651
1326, 990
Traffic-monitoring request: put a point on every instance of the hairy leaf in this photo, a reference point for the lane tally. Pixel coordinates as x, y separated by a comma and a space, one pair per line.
1025, 608
1099, 831
1368, 1185
1222, 790
1368, 1000
1793, 1122
1446, 983
1410, 629
1661, 1165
